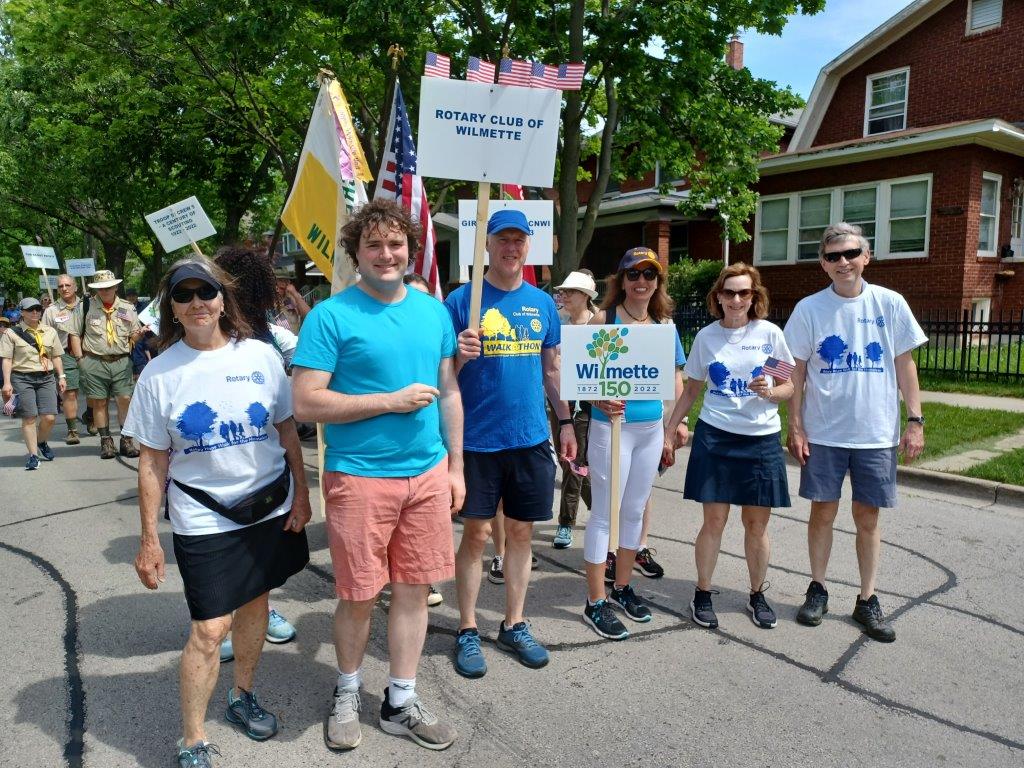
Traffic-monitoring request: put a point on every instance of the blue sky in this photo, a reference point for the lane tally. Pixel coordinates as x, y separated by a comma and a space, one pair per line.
809, 42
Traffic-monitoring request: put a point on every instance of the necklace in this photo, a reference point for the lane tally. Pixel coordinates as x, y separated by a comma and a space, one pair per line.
733, 338
643, 319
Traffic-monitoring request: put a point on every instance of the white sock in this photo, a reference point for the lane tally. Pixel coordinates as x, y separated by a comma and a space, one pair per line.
350, 682
400, 690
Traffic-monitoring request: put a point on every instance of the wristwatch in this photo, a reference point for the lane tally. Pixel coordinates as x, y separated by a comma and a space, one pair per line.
916, 420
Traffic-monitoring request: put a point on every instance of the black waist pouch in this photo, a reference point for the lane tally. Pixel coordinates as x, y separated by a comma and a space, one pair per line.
249, 509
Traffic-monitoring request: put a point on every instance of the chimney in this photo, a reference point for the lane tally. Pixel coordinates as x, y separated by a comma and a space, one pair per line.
734, 53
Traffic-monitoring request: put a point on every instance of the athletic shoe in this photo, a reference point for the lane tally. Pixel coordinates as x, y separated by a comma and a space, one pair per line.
245, 712
533, 562
563, 537
279, 629
701, 610
46, 452
647, 565
227, 650
107, 449
519, 640
469, 658
72, 438
32, 462
434, 597
414, 720
632, 605
609, 569
760, 612
196, 756
815, 605
128, 448
602, 619
496, 573
868, 613
341, 729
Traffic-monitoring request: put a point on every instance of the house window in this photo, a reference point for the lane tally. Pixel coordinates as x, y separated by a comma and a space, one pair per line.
859, 207
678, 243
774, 230
981, 310
886, 108
815, 212
988, 221
984, 14
1017, 222
908, 217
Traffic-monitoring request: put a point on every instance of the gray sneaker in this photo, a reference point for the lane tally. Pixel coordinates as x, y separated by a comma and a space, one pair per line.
246, 713
413, 720
196, 756
341, 729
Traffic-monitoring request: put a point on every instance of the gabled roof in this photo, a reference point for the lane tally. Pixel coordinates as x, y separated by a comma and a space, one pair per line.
830, 75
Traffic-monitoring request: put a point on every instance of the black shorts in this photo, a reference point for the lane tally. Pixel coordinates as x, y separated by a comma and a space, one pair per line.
523, 478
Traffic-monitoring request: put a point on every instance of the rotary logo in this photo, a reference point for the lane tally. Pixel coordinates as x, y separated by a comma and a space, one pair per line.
535, 325
258, 378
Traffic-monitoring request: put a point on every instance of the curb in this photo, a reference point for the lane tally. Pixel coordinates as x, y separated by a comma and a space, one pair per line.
984, 490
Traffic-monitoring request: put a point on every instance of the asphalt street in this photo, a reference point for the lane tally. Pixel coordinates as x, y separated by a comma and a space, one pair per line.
89, 657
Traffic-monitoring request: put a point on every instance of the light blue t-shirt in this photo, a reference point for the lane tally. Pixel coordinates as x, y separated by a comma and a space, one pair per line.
370, 347
503, 389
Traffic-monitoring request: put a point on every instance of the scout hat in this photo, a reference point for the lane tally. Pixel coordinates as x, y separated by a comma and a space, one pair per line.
577, 281
104, 278
507, 218
634, 257
5, 320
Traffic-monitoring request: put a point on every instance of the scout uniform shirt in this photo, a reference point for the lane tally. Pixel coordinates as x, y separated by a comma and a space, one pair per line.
108, 332
28, 358
64, 319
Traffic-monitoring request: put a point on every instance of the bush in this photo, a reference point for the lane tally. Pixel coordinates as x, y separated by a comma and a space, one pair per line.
689, 281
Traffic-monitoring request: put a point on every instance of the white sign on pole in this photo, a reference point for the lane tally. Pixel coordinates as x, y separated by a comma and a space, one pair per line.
151, 316
180, 224
501, 134
39, 257
80, 267
618, 362
539, 213
50, 281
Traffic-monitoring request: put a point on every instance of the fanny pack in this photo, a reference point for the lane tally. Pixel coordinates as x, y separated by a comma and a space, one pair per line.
250, 509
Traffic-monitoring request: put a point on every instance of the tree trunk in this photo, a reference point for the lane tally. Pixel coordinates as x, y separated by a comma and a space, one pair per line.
114, 254
604, 166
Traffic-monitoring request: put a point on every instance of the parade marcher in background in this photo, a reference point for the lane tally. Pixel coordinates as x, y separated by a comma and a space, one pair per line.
505, 369
290, 308
30, 354
737, 455
66, 316
45, 301
636, 296
375, 365
110, 331
219, 401
853, 344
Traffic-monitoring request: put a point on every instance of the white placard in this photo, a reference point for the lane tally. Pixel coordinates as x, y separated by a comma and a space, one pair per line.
151, 316
39, 257
80, 267
502, 134
539, 213
180, 224
48, 281
618, 362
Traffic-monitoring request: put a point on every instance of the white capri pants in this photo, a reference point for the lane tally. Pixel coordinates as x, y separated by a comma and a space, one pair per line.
640, 452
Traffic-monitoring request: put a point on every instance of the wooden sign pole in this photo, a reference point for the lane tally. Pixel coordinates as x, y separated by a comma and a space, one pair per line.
195, 249
483, 198
46, 279
84, 294
613, 483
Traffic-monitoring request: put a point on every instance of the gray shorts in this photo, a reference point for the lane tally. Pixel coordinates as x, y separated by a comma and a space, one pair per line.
37, 393
872, 474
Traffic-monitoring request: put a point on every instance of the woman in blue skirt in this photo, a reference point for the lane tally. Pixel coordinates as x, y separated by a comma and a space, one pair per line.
736, 457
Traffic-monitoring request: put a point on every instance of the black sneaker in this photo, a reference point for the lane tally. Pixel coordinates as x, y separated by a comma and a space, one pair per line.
815, 605
46, 452
760, 612
647, 565
868, 613
533, 563
603, 620
632, 605
609, 569
496, 572
701, 610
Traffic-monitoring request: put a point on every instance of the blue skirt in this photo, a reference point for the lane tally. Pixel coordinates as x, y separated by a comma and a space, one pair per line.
728, 468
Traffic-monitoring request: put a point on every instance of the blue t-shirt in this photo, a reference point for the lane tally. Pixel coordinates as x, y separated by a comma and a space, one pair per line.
503, 389
370, 347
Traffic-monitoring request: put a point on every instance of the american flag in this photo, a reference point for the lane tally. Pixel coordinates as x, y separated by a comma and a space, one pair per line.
398, 180
479, 71
514, 72
779, 370
570, 76
437, 65
515, 192
543, 76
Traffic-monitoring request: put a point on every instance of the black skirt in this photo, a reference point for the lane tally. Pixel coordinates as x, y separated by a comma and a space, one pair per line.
729, 468
224, 571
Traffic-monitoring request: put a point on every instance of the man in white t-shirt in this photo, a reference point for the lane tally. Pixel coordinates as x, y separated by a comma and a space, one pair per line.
853, 345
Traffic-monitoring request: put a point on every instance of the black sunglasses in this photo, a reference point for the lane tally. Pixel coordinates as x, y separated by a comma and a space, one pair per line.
849, 255
743, 293
185, 295
36, 308
649, 274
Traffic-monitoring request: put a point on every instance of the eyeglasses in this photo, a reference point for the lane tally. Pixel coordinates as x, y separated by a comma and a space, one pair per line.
185, 295
648, 274
742, 293
849, 255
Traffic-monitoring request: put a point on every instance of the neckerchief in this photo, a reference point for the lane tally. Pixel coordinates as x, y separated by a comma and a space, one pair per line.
111, 339
37, 334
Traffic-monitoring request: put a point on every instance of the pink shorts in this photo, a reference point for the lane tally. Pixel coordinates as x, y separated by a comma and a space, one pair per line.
384, 529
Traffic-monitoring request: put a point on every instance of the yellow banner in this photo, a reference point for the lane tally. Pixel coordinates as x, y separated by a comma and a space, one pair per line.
344, 114
312, 211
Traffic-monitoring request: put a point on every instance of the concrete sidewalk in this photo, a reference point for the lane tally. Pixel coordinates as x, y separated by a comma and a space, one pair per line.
965, 400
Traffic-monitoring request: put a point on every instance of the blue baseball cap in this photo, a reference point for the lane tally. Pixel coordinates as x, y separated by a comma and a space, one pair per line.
507, 218
640, 255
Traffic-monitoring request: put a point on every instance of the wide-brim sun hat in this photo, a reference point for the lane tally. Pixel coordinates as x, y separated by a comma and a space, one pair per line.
104, 278
577, 281
634, 257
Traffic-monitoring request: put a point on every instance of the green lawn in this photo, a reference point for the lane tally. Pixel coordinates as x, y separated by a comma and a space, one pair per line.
1008, 468
1001, 358
937, 383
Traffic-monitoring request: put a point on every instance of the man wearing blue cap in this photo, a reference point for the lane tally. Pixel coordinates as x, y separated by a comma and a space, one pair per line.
505, 369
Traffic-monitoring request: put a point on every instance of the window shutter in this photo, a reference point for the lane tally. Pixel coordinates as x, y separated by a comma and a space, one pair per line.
986, 13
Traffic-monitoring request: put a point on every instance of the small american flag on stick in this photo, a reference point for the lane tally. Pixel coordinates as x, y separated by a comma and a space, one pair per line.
514, 72
544, 76
479, 71
437, 65
779, 370
570, 77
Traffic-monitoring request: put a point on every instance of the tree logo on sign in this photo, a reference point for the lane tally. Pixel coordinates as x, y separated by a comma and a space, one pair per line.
607, 346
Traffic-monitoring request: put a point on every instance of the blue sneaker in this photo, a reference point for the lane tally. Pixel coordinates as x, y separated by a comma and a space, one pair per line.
279, 630
196, 756
46, 451
519, 640
469, 658
246, 713
227, 650
563, 537
33, 462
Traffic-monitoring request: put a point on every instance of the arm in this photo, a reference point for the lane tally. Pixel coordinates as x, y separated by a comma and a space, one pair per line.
301, 307
149, 562
796, 442
469, 348
676, 433
551, 362
301, 511
778, 393
681, 430
450, 403
313, 401
7, 364
58, 366
912, 441
75, 346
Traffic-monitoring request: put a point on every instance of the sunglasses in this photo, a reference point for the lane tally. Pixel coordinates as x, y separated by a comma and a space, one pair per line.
835, 256
648, 274
743, 293
36, 308
185, 295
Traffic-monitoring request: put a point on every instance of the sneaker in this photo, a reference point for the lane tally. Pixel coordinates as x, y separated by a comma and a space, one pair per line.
563, 537
196, 756
72, 438
414, 720
868, 613
760, 612
32, 462
533, 562
609, 569
245, 712
46, 452
647, 565
519, 640
602, 619
496, 573
630, 603
701, 610
227, 650
341, 728
815, 605
434, 597
469, 658
279, 629
107, 449
128, 448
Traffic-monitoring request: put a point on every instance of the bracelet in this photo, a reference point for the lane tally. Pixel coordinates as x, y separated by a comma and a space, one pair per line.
565, 422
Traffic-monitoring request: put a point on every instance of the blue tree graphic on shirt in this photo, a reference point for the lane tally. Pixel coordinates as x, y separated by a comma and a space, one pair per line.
258, 415
831, 350
718, 373
196, 421
873, 352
